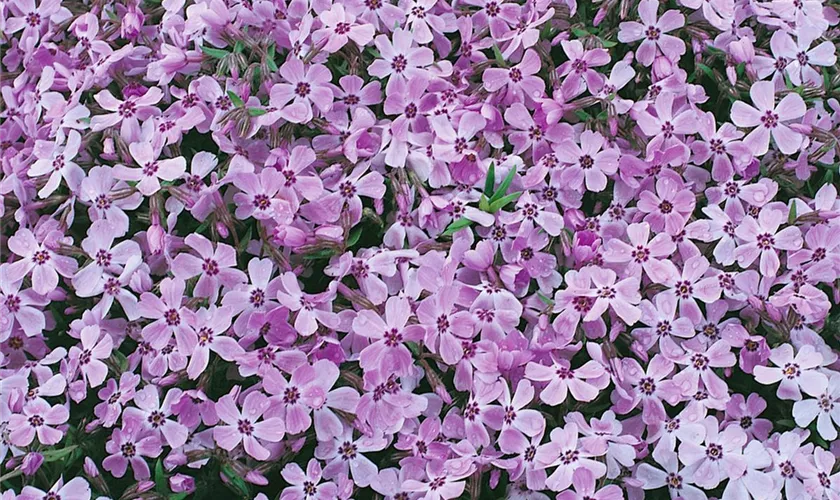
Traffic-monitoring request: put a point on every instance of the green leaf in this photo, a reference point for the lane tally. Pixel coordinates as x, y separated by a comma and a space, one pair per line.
235, 483
484, 204
326, 253
238, 47
500, 59
608, 44
355, 234
705, 69
217, 53
270, 58
56, 455
503, 201
457, 226
160, 478
243, 243
792, 213
179, 496
490, 181
256, 111
504, 186
582, 115
237, 101
580, 33
547, 301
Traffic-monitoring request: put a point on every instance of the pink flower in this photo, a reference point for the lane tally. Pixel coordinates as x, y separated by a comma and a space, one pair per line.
699, 365
343, 454
578, 69
519, 80
689, 285
588, 162
56, 160
304, 88
339, 27
825, 409
244, 426
107, 259
563, 453
388, 350
400, 60
128, 446
127, 113
38, 418
762, 238
169, 315
215, 268
768, 118
153, 415
306, 485
40, 259
210, 325
717, 456
445, 479
800, 58
150, 169
669, 208
511, 417
294, 400
562, 378
76, 489
653, 32
584, 485
794, 373
639, 253
95, 347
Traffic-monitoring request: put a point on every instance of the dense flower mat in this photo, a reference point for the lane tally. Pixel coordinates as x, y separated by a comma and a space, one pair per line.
520, 249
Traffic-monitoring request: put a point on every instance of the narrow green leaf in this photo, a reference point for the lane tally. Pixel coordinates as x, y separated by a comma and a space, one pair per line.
500, 59
237, 101
236, 483
256, 111
56, 455
792, 213
238, 47
705, 69
503, 201
354, 236
320, 254
217, 53
160, 477
457, 226
608, 44
580, 33
490, 181
504, 186
484, 204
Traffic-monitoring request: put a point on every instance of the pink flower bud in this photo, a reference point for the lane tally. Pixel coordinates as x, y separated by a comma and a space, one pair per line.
181, 483
155, 238
31, 463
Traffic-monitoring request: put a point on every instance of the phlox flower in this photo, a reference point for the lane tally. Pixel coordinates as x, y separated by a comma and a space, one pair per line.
825, 409
564, 453
129, 446
245, 426
153, 414
40, 259
763, 239
76, 488
795, 374
717, 456
306, 485
39, 419
563, 379
653, 33
767, 118
96, 346
304, 87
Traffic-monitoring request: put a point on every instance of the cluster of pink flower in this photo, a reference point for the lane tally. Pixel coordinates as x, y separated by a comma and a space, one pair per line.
527, 249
